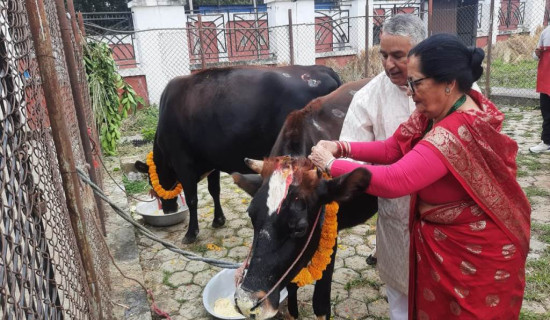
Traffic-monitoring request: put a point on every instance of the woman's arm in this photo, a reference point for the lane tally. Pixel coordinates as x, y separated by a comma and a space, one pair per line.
381, 152
414, 171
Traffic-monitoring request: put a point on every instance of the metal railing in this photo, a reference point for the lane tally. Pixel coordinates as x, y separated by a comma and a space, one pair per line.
511, 15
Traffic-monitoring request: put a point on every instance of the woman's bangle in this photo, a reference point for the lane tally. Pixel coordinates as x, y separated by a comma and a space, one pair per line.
328, 165
339, 149
348, 149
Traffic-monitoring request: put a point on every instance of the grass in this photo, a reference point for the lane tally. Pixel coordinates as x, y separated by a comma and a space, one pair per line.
530, 162
527, 315
135, 187
166, 279
522, 74
198, 248
537, 278
361, 282
143, 122
542, 231
532, 191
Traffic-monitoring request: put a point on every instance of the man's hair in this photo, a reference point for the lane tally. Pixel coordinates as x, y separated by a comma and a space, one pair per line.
406, 25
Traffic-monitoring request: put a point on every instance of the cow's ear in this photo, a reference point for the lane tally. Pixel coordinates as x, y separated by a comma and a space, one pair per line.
346, 186
141, 167
250, 183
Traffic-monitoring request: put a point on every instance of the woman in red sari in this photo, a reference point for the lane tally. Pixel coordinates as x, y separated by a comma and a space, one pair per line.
470, 220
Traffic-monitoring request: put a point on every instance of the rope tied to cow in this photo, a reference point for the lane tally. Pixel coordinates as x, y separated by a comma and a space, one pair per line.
187, 254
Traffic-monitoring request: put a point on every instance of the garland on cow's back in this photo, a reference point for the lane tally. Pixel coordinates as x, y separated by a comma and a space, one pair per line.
161, 192
321, 257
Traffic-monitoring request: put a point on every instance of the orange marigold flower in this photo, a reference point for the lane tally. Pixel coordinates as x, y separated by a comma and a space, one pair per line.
322, 256
153, 176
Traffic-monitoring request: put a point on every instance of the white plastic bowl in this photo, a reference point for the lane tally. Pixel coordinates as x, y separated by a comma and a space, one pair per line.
222, 285
154, 216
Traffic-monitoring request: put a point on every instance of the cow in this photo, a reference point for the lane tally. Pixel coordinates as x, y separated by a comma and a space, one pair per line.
279, 237
210, 121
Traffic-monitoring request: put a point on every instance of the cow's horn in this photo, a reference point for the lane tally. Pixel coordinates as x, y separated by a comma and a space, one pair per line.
255, 165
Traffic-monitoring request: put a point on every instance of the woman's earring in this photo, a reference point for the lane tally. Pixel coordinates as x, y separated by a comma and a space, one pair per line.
447, 90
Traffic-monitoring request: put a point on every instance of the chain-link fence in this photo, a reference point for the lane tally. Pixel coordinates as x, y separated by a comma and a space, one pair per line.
338, 38
43, 261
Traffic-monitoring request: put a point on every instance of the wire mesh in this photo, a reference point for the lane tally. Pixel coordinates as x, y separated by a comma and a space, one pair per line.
337, 38
41, 274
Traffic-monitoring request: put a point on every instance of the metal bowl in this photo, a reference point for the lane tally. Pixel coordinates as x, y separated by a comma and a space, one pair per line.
222, 285
154, 216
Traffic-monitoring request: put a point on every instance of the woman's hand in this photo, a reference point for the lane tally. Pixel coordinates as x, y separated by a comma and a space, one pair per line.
320, 156
331, 146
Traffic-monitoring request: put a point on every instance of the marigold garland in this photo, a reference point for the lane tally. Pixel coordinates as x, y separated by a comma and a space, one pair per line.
161, 192
321, 257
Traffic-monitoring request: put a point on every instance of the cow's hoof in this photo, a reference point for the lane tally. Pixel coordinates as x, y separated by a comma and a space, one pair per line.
371, 260
218, 222
189, 239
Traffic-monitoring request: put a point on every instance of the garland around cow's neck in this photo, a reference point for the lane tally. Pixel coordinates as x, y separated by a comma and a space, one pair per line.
321, 257
161, 192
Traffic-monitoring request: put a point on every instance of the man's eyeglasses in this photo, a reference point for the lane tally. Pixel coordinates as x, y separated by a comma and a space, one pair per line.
413, 83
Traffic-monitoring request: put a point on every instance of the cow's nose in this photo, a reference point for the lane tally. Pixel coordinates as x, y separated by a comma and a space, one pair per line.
245, 300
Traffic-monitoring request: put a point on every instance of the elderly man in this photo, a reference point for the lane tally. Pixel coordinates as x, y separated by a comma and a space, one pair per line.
374, 114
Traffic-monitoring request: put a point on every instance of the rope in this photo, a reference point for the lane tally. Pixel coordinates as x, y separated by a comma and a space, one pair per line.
187, 254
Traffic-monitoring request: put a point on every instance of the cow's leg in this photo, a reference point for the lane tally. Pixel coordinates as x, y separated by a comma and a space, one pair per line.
190, 191
292, 300
321, 293
214, 189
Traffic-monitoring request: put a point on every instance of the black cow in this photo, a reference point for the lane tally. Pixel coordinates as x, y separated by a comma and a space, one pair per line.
210, 121
279, 237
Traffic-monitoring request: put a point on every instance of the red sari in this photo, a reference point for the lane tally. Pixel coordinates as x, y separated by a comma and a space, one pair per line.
467, 258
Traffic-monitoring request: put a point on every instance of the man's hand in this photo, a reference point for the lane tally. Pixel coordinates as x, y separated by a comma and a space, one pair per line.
239, 273
538, 52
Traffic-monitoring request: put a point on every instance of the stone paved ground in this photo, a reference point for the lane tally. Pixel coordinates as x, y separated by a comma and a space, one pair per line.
357, 291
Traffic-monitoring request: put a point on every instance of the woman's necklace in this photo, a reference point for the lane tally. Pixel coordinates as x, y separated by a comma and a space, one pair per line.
455, 106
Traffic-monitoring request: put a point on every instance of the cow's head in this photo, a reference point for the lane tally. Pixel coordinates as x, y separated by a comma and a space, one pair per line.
287, 197
167, 179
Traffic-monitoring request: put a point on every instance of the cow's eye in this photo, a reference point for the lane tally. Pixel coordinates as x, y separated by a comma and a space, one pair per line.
298, 204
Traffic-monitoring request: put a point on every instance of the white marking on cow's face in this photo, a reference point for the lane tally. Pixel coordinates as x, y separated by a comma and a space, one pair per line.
265, 235
278, 188
338, 113
317, 126
286, 75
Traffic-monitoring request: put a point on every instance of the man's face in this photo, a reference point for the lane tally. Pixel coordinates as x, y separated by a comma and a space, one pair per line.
393, 52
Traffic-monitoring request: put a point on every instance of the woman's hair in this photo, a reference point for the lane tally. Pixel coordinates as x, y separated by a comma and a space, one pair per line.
444, 58
406, 25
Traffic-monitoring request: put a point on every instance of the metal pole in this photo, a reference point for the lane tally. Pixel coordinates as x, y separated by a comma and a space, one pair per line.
81, 24
430, 16
489, 50
54, 103
77, 38
78, 98
290, 37
256, 30
201, 39
367, 43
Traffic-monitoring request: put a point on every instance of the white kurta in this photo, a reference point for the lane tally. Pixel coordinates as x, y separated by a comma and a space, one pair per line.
375, 112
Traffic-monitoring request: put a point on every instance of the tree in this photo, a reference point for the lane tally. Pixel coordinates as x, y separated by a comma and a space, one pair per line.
101, 5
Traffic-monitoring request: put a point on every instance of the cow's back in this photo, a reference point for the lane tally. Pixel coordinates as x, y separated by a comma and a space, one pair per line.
220, 116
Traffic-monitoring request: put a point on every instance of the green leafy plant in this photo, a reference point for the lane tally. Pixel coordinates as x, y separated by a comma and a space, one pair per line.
112, 98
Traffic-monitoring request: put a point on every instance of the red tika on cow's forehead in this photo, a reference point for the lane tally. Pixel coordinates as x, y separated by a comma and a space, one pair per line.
301, 170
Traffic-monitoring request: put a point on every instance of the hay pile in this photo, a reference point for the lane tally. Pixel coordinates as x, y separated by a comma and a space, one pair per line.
353, 70
517, 48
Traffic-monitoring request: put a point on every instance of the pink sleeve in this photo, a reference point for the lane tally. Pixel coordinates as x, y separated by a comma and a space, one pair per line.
381, 152
416, 170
